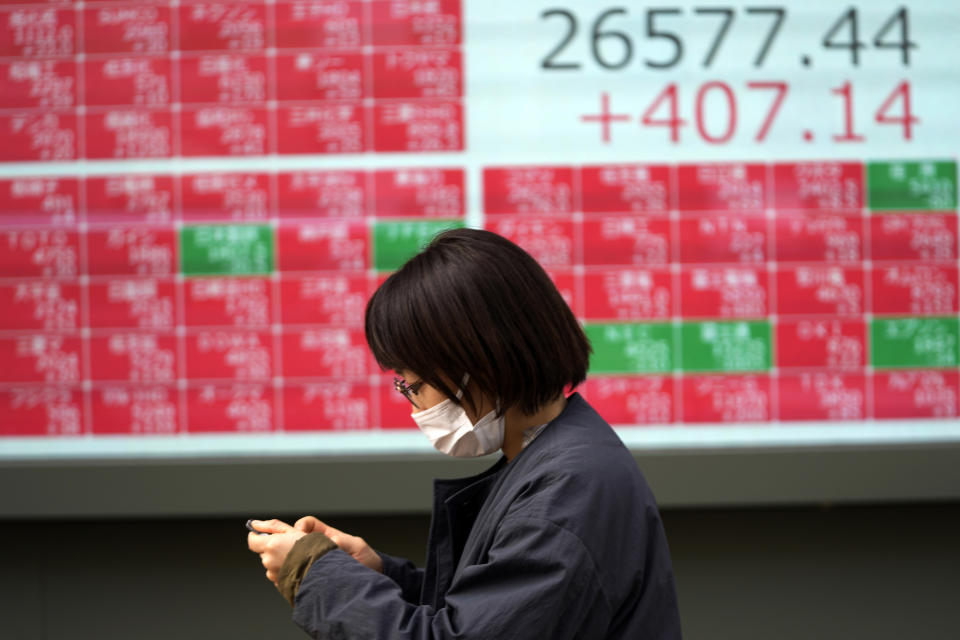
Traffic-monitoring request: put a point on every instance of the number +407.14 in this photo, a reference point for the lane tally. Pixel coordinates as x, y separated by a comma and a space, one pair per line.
715, 112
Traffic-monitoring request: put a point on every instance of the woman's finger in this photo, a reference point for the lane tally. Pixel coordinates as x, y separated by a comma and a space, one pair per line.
306, 524
256, 542
331, 532
271, 526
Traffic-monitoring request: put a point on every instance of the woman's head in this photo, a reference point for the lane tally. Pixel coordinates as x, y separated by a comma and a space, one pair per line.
473, 302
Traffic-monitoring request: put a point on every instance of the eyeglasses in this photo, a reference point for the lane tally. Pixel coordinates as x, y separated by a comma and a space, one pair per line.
408, 390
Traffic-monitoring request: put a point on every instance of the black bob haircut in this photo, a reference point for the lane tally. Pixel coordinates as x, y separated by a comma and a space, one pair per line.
474, 302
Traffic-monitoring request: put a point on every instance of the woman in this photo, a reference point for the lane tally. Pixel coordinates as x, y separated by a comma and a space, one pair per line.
560, 538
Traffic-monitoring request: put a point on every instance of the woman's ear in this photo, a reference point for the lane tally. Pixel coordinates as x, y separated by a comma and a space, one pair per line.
475, 404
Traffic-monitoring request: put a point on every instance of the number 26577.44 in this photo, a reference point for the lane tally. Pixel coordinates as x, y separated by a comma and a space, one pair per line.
612, 48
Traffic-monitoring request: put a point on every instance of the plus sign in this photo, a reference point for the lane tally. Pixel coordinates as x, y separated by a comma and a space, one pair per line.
605, 117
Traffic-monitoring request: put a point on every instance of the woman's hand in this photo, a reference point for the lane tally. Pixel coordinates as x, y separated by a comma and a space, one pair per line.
273, 549
356, 547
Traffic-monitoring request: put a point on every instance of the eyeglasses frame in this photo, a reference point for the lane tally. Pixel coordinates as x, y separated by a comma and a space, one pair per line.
407, 390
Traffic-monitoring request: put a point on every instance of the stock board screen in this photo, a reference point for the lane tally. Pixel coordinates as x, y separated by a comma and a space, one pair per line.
751, 208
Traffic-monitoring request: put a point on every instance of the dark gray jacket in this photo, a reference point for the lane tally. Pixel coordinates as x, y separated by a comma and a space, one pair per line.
565, 541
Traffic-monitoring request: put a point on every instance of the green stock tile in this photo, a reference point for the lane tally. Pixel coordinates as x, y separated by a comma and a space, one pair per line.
912, 185
631, 348
915, 342
396, 242
226, 250
725, 346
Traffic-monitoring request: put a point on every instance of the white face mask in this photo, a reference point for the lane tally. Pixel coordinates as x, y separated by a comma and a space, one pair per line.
451, 432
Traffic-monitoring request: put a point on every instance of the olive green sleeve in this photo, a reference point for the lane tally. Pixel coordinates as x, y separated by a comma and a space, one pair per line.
298, 561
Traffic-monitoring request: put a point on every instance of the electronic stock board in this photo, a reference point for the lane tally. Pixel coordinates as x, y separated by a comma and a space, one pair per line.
752, 208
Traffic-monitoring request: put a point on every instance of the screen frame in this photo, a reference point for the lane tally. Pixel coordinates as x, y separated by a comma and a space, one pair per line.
391, 484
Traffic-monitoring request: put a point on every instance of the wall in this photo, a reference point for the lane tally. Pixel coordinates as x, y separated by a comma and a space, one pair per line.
847, 572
